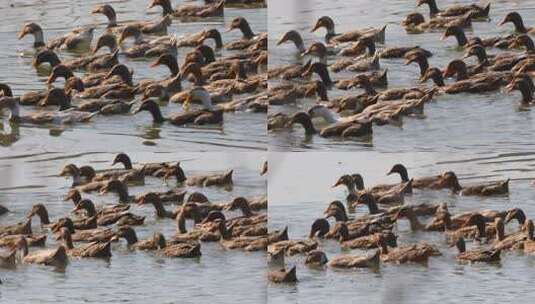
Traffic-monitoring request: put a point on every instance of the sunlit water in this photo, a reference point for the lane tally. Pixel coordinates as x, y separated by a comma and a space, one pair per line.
300, 190
131, 276
453, 123
241, 130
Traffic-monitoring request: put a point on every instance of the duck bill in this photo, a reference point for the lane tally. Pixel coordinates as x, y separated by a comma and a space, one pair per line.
316, 27
444, 37
338, 183
22, 34
504, 21
510, 87
154, 64
151, 5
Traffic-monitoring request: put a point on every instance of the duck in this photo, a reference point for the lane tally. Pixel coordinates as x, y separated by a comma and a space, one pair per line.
208, 115
332, 37
514, 240
91, 250
463, 42
338, 126
157, 241
474, 228
368, 43
211, 10
525, 86
18, 228
88, 186
293, 247
487, 189
181, 250
51, 257
355, 64
154, 199
147, 27
118, 187
243, 205
499, 62
294, 37
89, 235
33, 240
363, 81
132, 176
485, 82
364, 241
355, 261
90, 210
319, 228
377, 78
516, 20
283, 275
8, 259
455, 10
476, 255
529, 244
111, 215
315, 258
417, 253
415, 22
248, 39
60, 117
446, 180
78, 39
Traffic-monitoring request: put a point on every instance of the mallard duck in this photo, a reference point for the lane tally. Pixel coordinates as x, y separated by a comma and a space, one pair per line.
487, 189
514, 240
283, 275
154, 199
295, 37
32, 240
355, 64
499, 62
89, 235
338, 126
415, 23
332, 36
293, 247
18, 228
41, 211
446, 180
476, 255
516, 20
209, 115
91, 250
118, 187
210, 10
157, 241
211, 179
368, 43
483, 83
248, 39
455, 10
363, 81
132, 176
110, 215
418, 253
474, 228
348, 241
181, 250
463, 42
71, 170
79, 38
63, 116
90, 210
355, 261
319, 228
50, 257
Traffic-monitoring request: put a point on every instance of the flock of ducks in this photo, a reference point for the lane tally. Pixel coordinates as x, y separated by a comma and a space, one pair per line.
360, 51
376, 230
97, 83
89, 229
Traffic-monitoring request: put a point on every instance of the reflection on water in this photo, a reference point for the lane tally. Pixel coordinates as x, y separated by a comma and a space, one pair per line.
242, 130
453, 123
133, 276
300, 189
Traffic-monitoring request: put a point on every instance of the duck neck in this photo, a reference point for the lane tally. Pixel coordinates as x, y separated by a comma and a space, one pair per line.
160, 210
246, 210
341, 216
367, 86
299, 44
530, 47
218, 40
519, 25
127, 163
482, 56
90, 209
39, 40
323, 73
131, 237
527, 94
173, 67
433, 8
247, 31
414, 222
309, 127
43, 216
156, 113
14, 113
372, 207
329, 116
424, 65
181, 223
123, 194
384, 247
461, 38
167, 8
76, 179
371, 47
67, 239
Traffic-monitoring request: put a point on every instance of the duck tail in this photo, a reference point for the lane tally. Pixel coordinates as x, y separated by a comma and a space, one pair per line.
486, 10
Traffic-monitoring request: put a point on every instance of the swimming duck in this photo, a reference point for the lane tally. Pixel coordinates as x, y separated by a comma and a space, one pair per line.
338, 126
487, 189
356, 64
118, 187
529, 244
415, 23
295, 37
463, 42
525, 87
157, 27
514, 240
293, 247
363, 81
332, 36
377, 78
476, 255
132, 176
475, 227
368, 43
446, 180
89, 207
157, 241
368, 241
32, 240
181, 250
210, 10
50, 257
356, 261
455, 10
418, 253
283, 275
89, 235
111, 215
154, 199
248, 39
498, 62
316, 258
516, 20
91, 250
88, 186
209, 115
18, 228
79, 38
485, 82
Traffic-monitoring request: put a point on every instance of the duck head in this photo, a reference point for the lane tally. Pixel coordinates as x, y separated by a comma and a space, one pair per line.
319, 228
194, 69
40, 210
169, 61
107, 40
401, 170
478, 51
413, 19
517, 214
108, 11
346, 180
118, 187
456, 67
63, 222
207, 53
131, 31
57, 96
45, 56
87, 205
326, 22
294, 37
525, 86
457, 32
322, 71
165, 4
433, 8
215, 35
197, 197
213, 216
434, 74
71, 170
316, 49
73, 195
36, 31
124, 159
59, 71
123, 72
128, 233
316, 257
523, 41
420, 59
241, 24
516, 20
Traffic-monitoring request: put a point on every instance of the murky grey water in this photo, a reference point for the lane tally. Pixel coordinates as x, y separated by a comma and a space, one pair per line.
300, 190
241, 131
131, 276
453, 123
